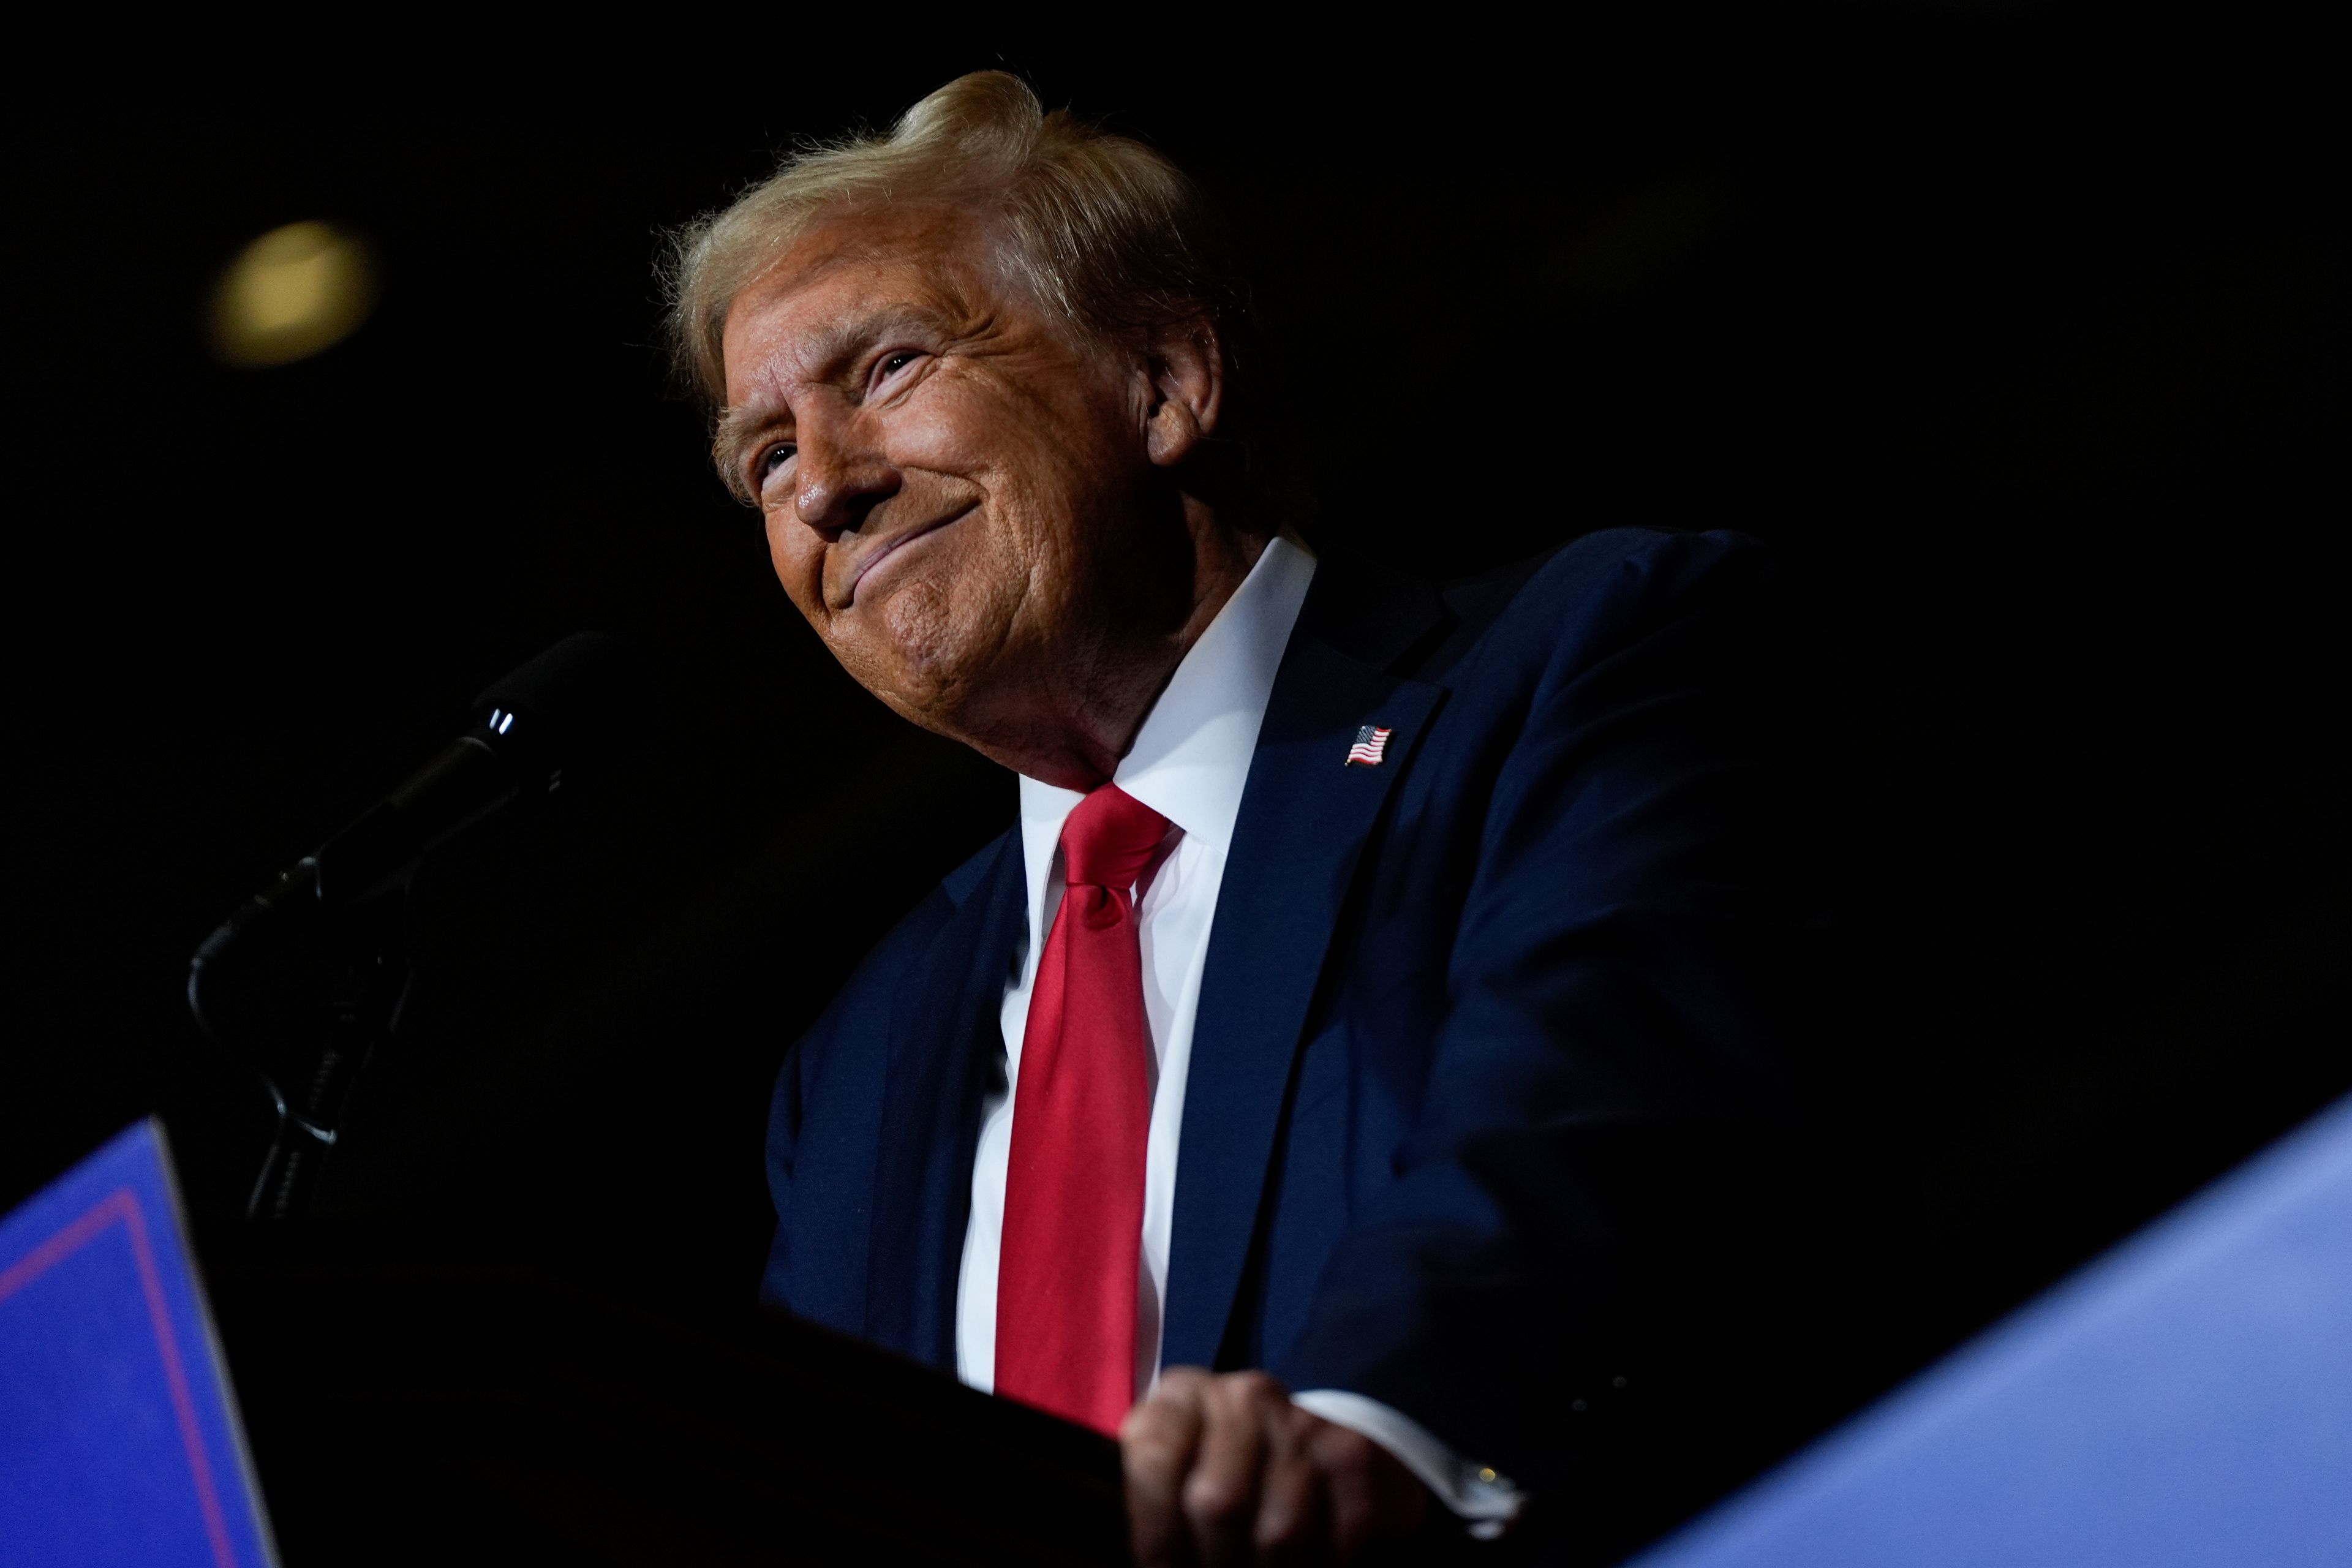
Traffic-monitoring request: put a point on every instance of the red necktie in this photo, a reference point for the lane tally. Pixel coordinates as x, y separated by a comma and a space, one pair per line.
1066, 1283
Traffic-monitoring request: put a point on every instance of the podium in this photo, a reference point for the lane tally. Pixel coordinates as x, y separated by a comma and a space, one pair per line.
419, 1399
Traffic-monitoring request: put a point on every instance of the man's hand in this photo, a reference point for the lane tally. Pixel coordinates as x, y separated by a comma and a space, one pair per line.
1222, 1468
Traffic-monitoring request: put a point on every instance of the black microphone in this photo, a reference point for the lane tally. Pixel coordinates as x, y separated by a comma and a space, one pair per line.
535, 732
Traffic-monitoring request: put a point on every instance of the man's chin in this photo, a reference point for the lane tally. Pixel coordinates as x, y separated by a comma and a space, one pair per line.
957, 674
920, 679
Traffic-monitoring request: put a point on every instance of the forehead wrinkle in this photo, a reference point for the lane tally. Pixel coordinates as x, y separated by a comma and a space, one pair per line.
819, 352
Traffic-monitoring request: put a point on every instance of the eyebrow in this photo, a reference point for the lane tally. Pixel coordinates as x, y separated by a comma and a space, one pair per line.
829, 349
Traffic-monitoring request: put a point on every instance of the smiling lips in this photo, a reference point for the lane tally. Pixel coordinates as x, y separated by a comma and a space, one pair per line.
890, 547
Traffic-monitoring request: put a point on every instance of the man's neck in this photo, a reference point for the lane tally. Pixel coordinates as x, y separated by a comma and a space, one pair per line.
1105, 698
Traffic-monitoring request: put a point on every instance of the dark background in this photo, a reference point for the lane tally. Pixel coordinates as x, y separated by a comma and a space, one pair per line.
2015, 329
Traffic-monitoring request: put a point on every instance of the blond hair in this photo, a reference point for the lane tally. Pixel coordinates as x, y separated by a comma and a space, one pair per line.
1108, 234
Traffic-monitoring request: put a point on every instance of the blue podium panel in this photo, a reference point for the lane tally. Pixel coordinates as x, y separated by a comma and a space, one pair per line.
118, 1441
2186, 1400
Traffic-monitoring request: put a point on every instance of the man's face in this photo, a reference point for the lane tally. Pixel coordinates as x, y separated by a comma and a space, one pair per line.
954, 489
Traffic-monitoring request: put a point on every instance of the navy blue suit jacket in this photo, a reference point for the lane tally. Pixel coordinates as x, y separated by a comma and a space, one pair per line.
1520, 1058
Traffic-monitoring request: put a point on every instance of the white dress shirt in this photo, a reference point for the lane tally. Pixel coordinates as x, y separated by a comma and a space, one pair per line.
1189, 762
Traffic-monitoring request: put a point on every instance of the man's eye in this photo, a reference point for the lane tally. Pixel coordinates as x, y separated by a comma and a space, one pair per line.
893, 363
773, 459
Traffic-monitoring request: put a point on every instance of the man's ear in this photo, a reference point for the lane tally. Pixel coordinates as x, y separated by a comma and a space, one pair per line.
1187, 366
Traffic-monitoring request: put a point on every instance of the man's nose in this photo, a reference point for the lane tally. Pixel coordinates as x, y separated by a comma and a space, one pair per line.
840, 474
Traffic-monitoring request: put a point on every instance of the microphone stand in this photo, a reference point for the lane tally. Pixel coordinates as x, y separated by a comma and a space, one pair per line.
363, 1009
311, 1083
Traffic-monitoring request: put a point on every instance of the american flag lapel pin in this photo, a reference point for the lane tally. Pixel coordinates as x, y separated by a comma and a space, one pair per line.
1372, 742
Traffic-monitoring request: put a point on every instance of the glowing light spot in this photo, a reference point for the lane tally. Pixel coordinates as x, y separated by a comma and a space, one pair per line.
291, 293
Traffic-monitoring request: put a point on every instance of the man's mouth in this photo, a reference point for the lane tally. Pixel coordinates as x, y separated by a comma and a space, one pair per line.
891, 546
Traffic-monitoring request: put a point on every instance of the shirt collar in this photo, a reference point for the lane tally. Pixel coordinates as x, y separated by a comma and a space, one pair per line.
1190, 760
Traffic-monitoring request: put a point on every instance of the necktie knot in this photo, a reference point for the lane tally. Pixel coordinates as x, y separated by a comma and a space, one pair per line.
1109, 839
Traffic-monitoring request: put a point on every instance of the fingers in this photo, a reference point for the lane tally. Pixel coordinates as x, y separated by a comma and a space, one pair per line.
1225, 1470
1293, 1506
1220, 1496
1156, 1442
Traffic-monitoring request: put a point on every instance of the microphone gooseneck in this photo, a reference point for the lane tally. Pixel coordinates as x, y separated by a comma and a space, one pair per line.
565, 711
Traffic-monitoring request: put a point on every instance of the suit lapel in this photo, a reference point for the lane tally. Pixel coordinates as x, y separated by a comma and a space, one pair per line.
943, 1035
1305, 817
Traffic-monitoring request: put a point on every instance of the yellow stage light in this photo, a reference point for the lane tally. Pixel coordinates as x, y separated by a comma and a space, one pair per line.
291, 293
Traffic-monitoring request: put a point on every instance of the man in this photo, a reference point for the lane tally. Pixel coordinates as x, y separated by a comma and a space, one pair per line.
1385, 1076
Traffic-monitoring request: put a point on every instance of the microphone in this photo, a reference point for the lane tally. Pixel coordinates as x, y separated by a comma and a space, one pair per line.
565, 712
